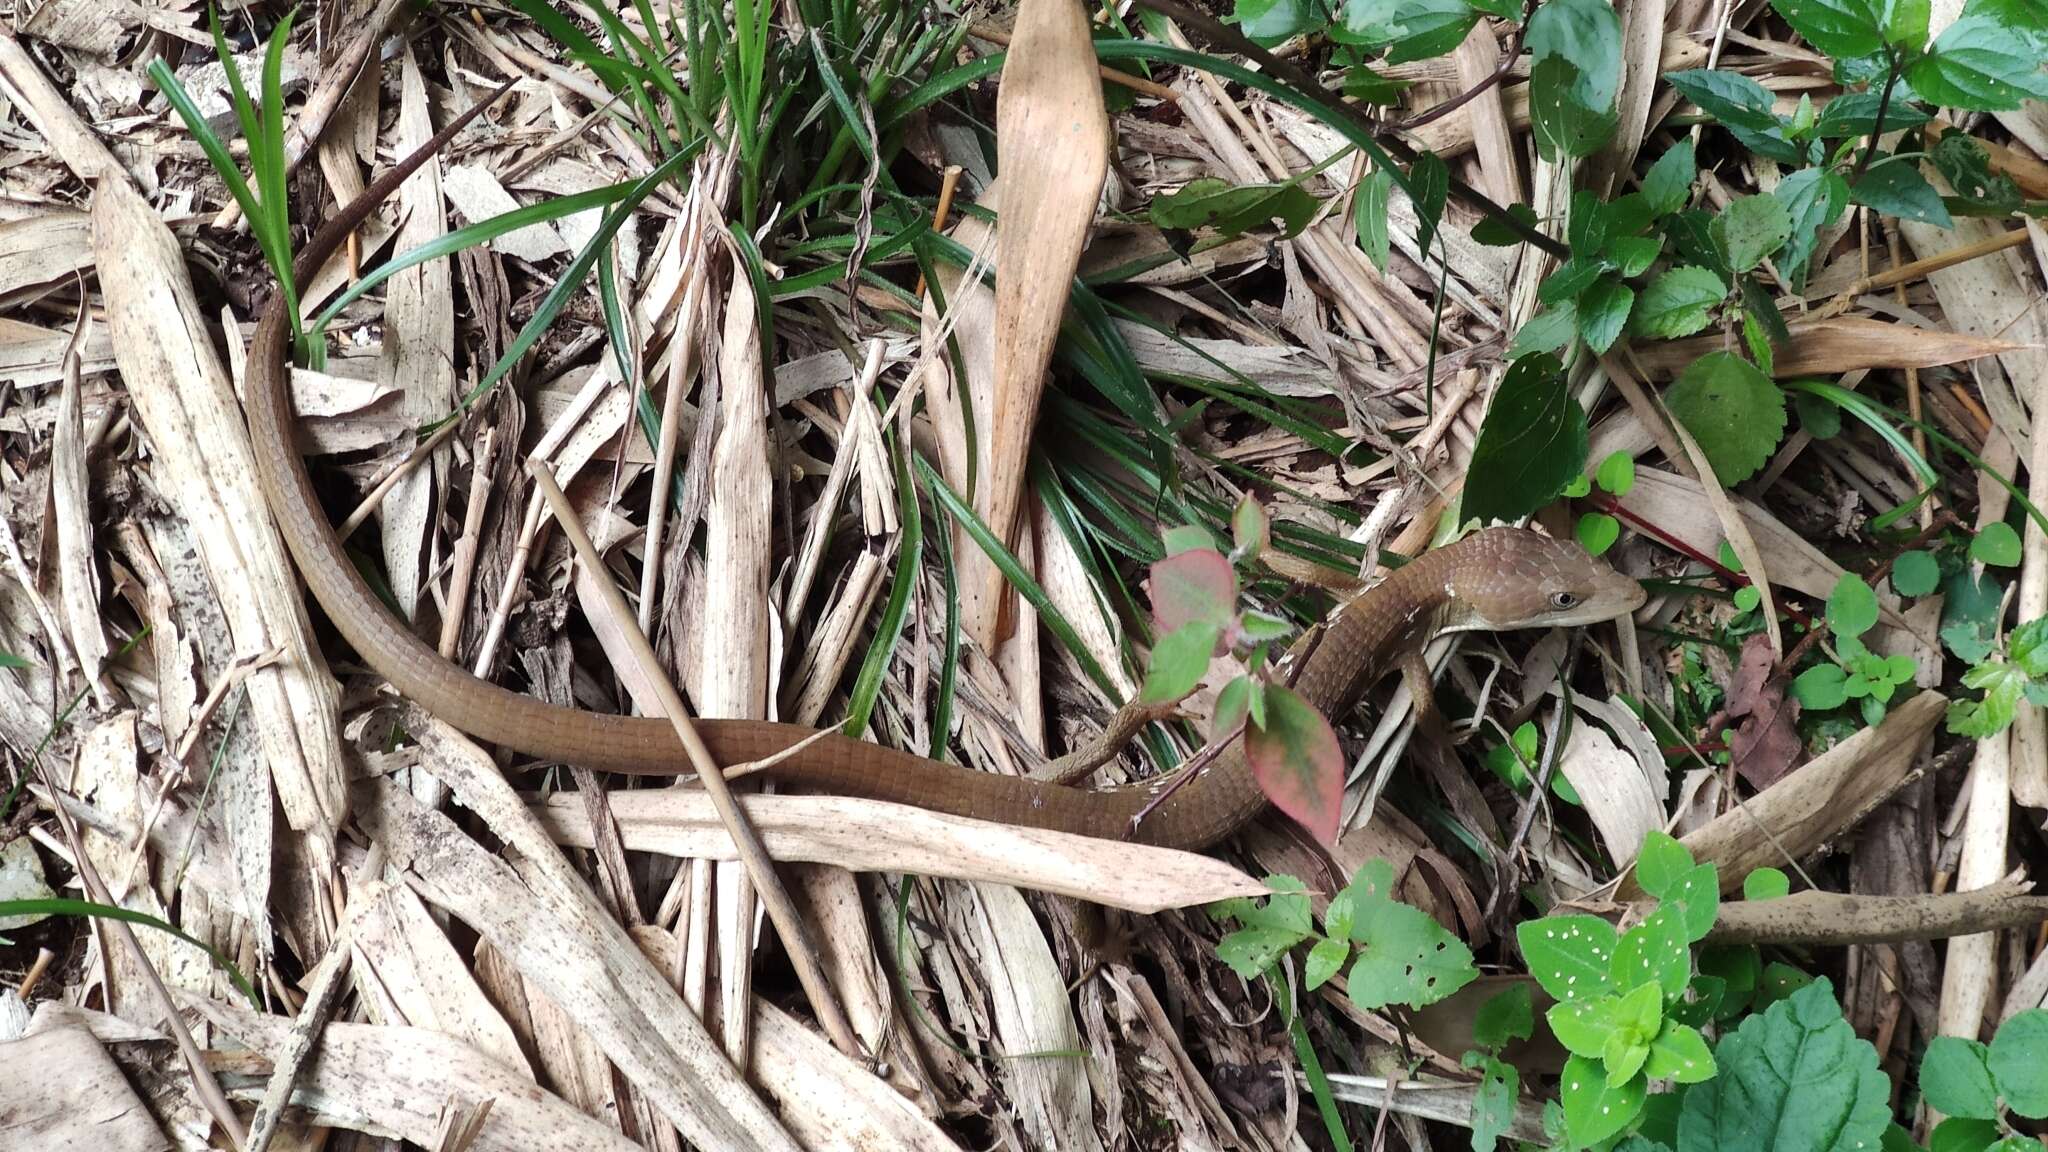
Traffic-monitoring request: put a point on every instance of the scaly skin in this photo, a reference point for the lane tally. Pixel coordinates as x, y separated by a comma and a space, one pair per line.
1497, 579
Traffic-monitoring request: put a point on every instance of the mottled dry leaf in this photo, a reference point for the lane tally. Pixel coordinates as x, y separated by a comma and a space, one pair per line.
1831, 347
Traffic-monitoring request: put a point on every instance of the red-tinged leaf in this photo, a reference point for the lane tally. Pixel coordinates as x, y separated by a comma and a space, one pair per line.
1196, 585
1297, 763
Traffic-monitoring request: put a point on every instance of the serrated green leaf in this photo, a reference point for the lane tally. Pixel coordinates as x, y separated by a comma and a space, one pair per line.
1735, 412
1836, 27
1982, 63
1570, 956
1495, 234
1633, 255
1668, 184
1564, 126
2028, 647
1814, 199
1532, 441
1547, 332
1956, 1078
1586, 34
1594, 1109
1750, 229
1855, 114
1662, 862
1679, 1053
1915, 573
1493, 1104
1250, 951
1729, 97
1793, 1077
2019, 1063
1895, 186
1679, 302
1234, 209
1509, 1014
1603, 310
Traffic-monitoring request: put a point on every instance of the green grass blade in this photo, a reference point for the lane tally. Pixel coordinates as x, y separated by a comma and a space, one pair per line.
909, 565
268, 163
216, 151
60, 906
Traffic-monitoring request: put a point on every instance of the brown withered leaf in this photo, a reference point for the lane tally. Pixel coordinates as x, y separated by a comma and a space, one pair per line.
1766, 744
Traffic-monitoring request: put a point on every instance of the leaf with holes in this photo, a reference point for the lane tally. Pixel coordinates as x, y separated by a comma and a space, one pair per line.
1405, 957
1234, 209
1369, 216
1750, 229
1594, 1109
1570, 956
1678, 1053
1654, 952
1507, 1015
1295, 759
1794, 1076
1196, 586
1493, 1103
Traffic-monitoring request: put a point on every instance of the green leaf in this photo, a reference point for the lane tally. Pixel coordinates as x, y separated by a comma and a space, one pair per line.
1546, 332
1531, 443
1429, 183
1369, 214
1852, 607
1729, 97
1507, 1015
1814, 199
1955, 1078
1415, 29
1571, 280
1967, 167
1186, 538
1493, 1104
1679, 1053
1295, 759
1961, 1134
1617, 474
1594, 1109
1633, 255
1855, 114
1905, 22
1570, 956
1735, 412
1696, 896
1750, 229
2028, 647
2019, 1063
10, 660
1915, 573
1603, 310
1587, 35
1565, 126
1996, 544
1679, 302
1250, 951
1738, 968
1970, 607
1668, 184
1661, 864
1234, 209
1324, 961
1793, 1077
1836, 27
1895, 186
1491, 232
1597, 532
1179, 661
1405, 957
1369, 87
1982, 63
1765, 884
1585, 1027
1271, 21
1654, 952
1250, 530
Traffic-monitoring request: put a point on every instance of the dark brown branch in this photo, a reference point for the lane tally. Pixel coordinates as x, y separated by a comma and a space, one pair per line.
1831, 918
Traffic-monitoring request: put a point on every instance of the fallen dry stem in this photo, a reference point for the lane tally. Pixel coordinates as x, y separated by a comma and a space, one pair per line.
803, 952
1827, 919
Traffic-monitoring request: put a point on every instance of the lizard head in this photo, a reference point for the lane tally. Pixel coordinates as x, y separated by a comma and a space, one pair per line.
1517, 578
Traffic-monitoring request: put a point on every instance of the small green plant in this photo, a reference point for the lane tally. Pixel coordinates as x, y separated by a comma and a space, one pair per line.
1979, 1088
1616, 476
1618, 994
1854, 672
1506, 1017
1290, 747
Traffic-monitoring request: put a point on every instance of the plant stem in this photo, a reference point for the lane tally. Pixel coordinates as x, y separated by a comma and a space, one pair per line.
1884, 103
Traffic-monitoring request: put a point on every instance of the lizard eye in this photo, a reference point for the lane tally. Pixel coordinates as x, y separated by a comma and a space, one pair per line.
1563, 601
